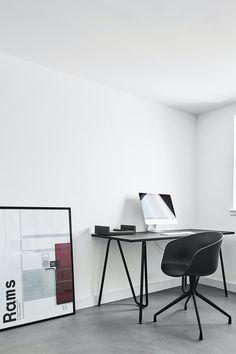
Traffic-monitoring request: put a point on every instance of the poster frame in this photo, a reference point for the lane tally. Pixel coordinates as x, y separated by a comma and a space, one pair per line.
68, 209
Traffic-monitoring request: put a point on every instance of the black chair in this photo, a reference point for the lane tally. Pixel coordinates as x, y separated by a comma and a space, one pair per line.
194, 256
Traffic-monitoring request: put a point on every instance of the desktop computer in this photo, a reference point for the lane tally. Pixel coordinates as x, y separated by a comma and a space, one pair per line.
158, 210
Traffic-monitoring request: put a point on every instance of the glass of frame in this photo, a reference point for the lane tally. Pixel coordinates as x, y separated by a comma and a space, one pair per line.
36, 262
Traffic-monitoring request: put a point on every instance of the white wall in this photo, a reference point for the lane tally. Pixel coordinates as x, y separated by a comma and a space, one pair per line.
215, 182
65, 141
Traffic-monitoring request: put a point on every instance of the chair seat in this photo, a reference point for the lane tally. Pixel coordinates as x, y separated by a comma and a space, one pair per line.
174, 269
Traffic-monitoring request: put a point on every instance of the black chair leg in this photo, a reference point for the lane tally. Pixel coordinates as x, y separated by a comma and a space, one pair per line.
198, 317
209, 302
186, 302
181, 297
184, 284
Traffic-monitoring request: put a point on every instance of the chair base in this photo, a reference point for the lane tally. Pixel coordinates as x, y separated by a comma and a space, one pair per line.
192, 292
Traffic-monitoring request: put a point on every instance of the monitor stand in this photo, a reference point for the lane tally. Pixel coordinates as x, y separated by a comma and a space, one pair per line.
153, 228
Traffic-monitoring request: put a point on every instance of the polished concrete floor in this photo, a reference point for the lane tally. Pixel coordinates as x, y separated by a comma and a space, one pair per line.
113, 329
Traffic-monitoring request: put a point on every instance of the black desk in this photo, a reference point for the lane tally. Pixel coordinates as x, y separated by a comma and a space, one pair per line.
144, 237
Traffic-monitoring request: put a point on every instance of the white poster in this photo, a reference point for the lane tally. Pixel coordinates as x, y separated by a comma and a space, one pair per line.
36, 278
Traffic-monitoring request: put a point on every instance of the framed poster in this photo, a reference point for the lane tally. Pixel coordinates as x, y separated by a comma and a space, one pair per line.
36, 262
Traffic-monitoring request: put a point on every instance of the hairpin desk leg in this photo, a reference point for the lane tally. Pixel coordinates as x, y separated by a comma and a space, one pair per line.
223, 273
142, 278
104, 272
127, 273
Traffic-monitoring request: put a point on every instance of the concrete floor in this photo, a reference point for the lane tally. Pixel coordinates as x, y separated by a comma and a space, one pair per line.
113, 329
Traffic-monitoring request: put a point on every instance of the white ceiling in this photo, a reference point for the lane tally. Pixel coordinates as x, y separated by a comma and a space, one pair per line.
181, 53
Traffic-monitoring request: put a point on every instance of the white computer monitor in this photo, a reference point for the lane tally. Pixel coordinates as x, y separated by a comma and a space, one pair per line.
157, 209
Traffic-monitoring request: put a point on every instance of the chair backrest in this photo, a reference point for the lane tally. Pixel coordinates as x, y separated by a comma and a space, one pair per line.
206, 257
199, 253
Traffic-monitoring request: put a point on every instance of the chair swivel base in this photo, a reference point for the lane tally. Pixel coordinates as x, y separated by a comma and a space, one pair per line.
192, 292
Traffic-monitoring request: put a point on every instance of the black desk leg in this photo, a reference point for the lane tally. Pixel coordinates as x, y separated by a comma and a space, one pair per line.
146, 277
129, 278
223, 273
143, 275
127, 273
104, 272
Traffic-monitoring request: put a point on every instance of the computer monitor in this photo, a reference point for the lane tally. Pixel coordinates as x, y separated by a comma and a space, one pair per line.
157, 209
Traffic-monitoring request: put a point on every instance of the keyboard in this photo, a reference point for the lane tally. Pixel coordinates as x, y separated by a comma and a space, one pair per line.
177, 233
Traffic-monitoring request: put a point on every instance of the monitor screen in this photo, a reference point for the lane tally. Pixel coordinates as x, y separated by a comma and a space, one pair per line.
157, 208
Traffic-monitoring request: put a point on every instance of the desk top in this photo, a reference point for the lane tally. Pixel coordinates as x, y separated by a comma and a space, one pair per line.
154, 236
